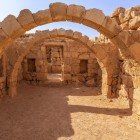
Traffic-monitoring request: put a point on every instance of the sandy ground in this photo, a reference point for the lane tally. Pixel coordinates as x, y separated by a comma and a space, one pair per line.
65, 113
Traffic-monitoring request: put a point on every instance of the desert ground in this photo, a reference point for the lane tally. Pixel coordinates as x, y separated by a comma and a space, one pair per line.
66, 113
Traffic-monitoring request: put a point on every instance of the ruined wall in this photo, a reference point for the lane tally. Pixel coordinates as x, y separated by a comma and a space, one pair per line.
66, 58
128, 19
74, 55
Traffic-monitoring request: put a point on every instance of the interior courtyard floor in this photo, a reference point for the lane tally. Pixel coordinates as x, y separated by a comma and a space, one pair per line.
65, 113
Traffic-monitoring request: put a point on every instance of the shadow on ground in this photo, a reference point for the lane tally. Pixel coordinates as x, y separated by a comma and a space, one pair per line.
43, 114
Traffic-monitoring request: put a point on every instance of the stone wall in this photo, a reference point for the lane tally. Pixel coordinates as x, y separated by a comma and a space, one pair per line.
2, 75
66, 57
130, 83
128, 19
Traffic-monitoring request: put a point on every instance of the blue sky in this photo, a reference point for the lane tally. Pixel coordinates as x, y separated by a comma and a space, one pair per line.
107, 6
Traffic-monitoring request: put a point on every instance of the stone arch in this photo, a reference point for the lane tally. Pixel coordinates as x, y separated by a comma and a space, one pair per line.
12, 27
99, 52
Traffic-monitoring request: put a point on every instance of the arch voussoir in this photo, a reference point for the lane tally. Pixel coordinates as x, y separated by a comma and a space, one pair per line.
75, 13
11, 27
109, 27
42, 17
93, 18
26, 20
77, 35
58, 11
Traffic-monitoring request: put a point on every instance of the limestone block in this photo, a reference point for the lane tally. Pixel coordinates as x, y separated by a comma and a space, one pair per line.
81, 78
121, 17
67, 68
42, 17
58, 11
77, 35
118, 11
135, 51
11, 27
75, 69
61, 32
100, 52
90, 43
110, 27
84, 56
125, 25
136, 35
134, 23
82, 50
74, 55
67, 55
26, 19
69, 33
127, 81
3, 36
93, 18
135, 13
53, 33
75, 13
126, 37
31, 55
127, 15
90, 83
67, 61
67, 77
117, 20
85, 39
40, 76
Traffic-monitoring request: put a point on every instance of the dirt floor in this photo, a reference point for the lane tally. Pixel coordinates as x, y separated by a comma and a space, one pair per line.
66, 113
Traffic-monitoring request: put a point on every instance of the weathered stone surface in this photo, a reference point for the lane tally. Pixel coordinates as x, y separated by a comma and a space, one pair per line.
118, 11
135, 51
69, 33
11, 27
3, 36
84, 39
75, 13
100, 52
42, 17
61, 32
134, 23
93, 18
77, 35
58, 11
53, 33
26, 19
90, 83
136, 35
126, 37
109, 27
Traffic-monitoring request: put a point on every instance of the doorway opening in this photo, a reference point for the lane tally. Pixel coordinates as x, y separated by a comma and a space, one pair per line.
55, 61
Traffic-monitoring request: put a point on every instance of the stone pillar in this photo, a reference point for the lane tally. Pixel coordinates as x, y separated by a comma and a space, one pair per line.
113, 82
12, 89
42, 64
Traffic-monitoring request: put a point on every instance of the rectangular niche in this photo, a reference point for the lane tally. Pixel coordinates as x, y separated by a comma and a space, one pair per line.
31, 65
1, 67
83, 66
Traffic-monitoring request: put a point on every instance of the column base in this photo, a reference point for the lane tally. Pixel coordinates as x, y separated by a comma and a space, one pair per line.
12, 91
